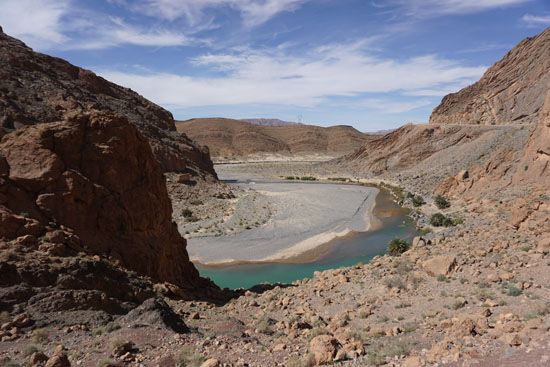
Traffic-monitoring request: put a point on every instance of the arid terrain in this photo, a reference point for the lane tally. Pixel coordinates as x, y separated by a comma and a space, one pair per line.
235, 139
95, 183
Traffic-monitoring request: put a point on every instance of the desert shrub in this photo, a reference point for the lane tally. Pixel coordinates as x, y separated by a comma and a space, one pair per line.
196, 202
306, 361
384, 349
394, 282
263, 325
105, 329
30, 349
40, 335
308, 178
186, 213
398, 246
289, 177
418, 200
4, 317
441, 278
441, 202
439, 220
512, 290
188, 358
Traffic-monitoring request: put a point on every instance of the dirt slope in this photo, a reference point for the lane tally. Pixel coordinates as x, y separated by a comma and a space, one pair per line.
36, 88
226, 137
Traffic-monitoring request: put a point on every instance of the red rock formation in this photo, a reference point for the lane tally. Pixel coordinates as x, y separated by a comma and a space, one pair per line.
36, 88
94, 175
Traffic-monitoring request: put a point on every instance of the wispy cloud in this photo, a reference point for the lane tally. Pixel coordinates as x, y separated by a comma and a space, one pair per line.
275, 78
391, 106
38, 22
536, 20
428, 8
114, 31
61, 24
253, 12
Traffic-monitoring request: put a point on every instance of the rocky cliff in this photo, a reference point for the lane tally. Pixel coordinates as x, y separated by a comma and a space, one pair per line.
511, 91
226, 137
36, 88
86, 186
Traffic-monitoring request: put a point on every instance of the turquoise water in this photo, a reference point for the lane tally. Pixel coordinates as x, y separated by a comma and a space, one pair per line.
356, 248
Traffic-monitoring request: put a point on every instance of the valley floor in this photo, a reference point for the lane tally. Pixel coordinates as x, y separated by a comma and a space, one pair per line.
303, 217
476, 294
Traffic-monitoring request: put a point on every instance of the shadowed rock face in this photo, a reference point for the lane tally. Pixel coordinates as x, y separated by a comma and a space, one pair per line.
36, 88
94, 176
511, 91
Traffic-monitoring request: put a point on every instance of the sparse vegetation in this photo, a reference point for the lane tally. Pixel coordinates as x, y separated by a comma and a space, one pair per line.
30, 349
417, 201
380, 351
439, 220
187, 357
186, 213
395, 282
512, 290
441, 202
40, 335
398, 246
306, 361
105, 329
308, 178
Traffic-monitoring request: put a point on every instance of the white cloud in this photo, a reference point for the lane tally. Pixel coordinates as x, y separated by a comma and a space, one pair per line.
112, 32
253, 12
424, 8
536, 20
272, 77
60, 24
37, 22
390, 106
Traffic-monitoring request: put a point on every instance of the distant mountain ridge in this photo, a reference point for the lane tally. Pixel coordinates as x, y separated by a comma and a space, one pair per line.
236, 138
270, 122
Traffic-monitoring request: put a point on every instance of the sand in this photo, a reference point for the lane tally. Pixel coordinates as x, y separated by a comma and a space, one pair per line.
306, 216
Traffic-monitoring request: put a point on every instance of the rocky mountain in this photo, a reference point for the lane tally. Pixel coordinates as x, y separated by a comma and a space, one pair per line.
234, 138
269, 122
85, 219
36, 88
511, 91
485, 127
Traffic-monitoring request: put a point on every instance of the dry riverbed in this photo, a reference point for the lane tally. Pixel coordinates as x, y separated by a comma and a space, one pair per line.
302, 217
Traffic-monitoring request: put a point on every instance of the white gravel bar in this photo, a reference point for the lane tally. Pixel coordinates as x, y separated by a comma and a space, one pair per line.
306, 215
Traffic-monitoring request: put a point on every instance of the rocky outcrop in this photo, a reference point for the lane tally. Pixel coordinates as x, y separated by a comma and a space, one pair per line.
88, 184
236, 138
36, 88
511, 91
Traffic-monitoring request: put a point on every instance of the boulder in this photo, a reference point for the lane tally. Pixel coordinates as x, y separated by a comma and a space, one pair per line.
439, 265
96, 175
323, 348
154, 313
58, 358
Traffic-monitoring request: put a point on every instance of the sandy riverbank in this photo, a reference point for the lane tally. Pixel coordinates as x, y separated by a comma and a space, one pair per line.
305, 216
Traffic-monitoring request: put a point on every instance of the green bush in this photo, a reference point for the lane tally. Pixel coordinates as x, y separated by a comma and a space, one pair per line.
398, 246
439, 220
186, 213
418, 200
308, 178
441, 202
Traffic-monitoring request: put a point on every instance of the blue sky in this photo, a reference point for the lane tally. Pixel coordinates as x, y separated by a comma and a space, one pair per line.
371, 64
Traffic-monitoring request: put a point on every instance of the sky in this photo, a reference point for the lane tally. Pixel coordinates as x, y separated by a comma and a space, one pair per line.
374, 65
